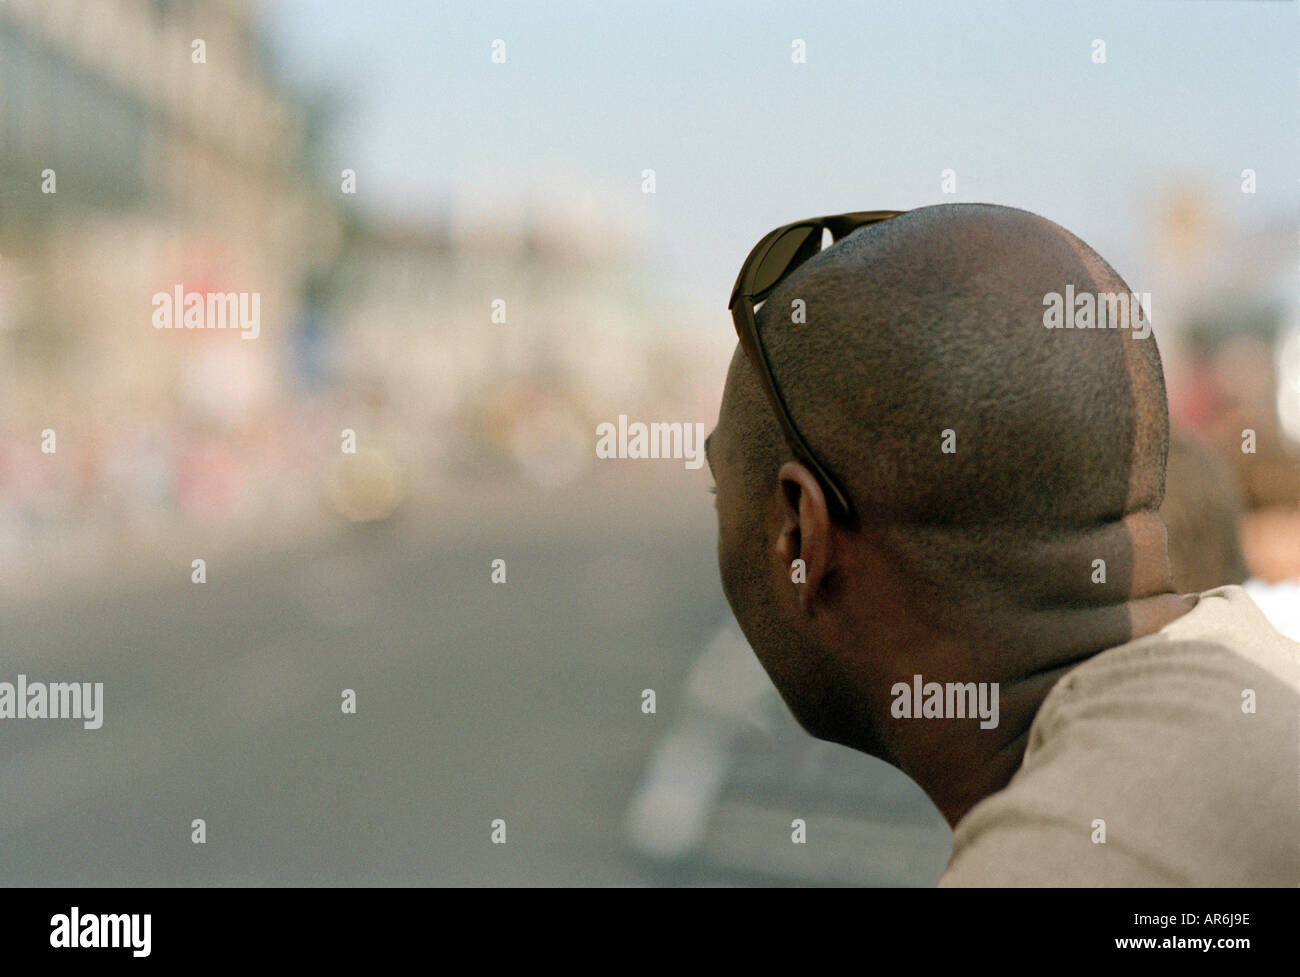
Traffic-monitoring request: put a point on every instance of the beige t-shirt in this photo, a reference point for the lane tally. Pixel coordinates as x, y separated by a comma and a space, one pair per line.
1152, 739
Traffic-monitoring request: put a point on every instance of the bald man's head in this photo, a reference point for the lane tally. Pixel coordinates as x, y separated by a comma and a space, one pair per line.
986, 456
933, 322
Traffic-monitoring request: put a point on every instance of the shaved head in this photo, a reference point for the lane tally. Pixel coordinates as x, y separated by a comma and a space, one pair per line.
933, 321
1005, 477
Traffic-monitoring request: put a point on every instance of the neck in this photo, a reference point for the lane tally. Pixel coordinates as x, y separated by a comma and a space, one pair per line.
1052, 625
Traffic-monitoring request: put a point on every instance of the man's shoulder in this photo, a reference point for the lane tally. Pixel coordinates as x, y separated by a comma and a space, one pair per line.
1170, 760
1224, 630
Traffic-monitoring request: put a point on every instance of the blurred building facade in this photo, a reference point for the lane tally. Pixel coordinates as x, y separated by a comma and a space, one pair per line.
166, 172
507, 346
144, 145
489, 345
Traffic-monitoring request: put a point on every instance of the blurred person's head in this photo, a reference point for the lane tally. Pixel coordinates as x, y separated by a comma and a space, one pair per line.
979, 564
1203, 508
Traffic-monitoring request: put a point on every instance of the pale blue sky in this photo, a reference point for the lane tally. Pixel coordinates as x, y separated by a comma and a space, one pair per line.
741, 139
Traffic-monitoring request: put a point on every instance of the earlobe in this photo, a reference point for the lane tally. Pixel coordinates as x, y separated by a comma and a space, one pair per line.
805, 543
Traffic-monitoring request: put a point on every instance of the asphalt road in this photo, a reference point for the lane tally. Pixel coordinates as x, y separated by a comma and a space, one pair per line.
475, 701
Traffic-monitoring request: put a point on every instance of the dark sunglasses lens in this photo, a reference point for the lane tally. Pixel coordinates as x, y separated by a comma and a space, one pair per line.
789, 249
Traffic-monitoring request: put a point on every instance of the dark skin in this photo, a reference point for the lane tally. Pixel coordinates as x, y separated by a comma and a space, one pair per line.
835, 643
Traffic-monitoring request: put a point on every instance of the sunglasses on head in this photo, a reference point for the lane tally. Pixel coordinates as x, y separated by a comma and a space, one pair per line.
771, 261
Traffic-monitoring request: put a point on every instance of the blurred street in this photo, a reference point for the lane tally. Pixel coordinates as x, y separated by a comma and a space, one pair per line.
475, 701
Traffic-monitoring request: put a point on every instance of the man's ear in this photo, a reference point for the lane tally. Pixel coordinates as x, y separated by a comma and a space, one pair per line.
805, 530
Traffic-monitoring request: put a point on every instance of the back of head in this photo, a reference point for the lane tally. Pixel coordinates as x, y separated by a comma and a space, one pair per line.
927, 382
